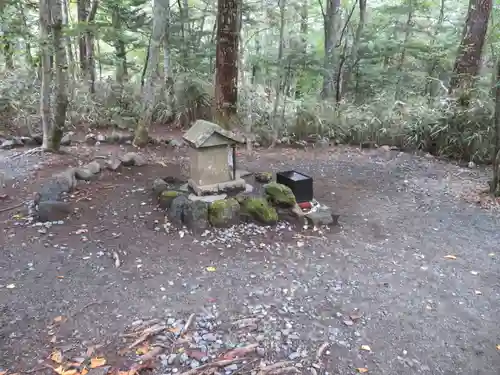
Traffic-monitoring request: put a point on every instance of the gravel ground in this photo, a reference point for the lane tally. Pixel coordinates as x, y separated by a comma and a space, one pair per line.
412, 273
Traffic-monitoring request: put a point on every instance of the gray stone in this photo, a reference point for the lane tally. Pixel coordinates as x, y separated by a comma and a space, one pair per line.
175, 212
84, 174
159, 186
94, 167
171, 358
322, 216
66, 139
293, 356
231, 368
209, 337
57, 185
176, 143
90, 139
113, 164
184, 187
101, 138
196, 215
120, 137
166, 197
133, 159
52, 211
261, 352
207, 198
194, 364
8, 144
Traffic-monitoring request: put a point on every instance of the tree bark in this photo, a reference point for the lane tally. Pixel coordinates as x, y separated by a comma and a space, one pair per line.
353, 58
149, 90
89, 47
82, 13
226, 61
121, 73
330, 21
402, 57
67, 40
46, 71
468, 61
61, 80
431, 86
496, 153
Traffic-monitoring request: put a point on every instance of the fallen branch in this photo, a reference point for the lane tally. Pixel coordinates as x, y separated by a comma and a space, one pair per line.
273, 367
156, 351
188, 323
11, 207
240, 352
284, 370
217, 364
148, 332
321, 350
116, 259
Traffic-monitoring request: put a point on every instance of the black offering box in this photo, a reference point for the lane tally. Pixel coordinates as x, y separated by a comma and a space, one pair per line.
301, 184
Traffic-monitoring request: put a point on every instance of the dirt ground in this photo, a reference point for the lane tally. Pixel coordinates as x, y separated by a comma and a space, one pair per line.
400, 216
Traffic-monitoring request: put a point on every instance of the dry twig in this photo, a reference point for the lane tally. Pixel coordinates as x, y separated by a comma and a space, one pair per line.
11, 207
148, 332
217, 364
321, 350
188, 323
275, 366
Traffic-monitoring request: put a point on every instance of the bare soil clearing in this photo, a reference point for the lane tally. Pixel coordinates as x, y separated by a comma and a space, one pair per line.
400, 217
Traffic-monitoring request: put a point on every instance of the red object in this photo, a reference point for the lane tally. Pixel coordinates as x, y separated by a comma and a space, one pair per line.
305, 205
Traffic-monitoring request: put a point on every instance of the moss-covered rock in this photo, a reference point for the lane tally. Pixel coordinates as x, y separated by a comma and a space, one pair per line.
279, 195
260, 210
224, 212
166, 197
263, 177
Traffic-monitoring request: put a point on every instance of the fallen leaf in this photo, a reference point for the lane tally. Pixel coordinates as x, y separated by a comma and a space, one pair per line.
362, 370
61, 371
366, 347
85, 371
478, 292
3, 372
174, 329
11, 286
498, 348
143, 349
450, 257
60, 277
56, 356
97, 362
53, 339
59, 319
211, 269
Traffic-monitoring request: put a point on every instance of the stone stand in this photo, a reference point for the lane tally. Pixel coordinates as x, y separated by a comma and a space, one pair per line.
222, 187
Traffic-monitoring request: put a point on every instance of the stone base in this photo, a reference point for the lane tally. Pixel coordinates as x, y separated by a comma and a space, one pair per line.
222, 187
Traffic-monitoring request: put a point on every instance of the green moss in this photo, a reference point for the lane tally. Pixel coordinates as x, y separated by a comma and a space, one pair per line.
263, 176
279, 195
166, 197
260, 210
224, 212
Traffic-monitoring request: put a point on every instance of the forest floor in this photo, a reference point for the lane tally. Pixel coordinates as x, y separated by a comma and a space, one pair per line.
417, 264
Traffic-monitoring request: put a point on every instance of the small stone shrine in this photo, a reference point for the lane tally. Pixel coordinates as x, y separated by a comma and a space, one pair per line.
210, 169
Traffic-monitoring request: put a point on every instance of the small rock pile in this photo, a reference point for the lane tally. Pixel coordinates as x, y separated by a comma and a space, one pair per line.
261, 344
200, 213
49, 203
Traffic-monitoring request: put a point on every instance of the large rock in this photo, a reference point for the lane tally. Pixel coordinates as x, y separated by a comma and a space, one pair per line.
133, 159
57, 185
166, 197
159, 186
52, 211
66, 139
88, 172
279, 195
113, 164
322, 216
224, 213
259, 209
196, 216
175, 212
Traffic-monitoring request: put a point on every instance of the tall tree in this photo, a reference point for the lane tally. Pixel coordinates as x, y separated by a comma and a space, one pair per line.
496, 153
46, 70
468, 61
226, 61
330, 22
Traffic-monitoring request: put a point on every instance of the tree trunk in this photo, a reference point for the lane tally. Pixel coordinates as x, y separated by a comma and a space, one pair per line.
61, 80
304, 26
67, 41
330, 20
8, 52
167, 63
149, 90
468, 61
82, 13
89, 47
353, 59
496, 154
226, 61
121, 70
431, 86
46, 71
399, 69
275, 120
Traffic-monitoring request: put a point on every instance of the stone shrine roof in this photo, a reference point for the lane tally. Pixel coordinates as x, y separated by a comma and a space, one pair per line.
202, 131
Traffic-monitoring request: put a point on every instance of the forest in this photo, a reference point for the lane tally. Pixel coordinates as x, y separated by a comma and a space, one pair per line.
415, 74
